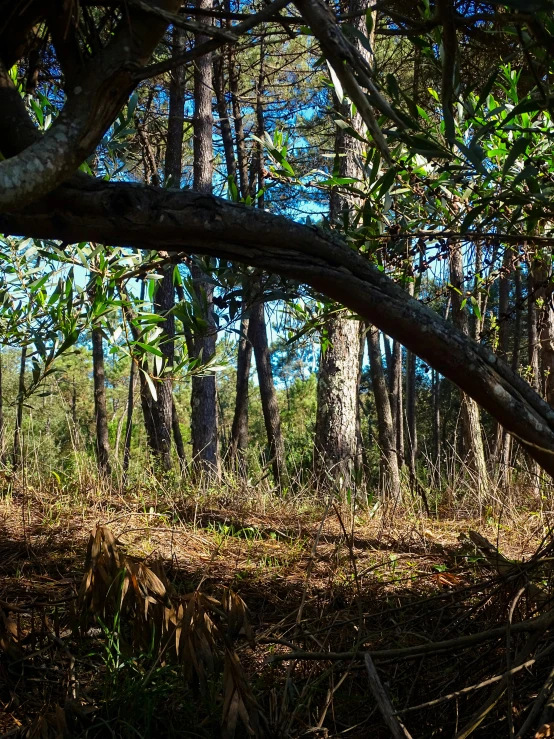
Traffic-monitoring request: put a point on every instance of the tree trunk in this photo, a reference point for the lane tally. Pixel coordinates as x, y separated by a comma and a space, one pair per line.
2, 426
545, 321
178, 437
470, 411
390, 476
503, 444
17, 445
176, 113
533, 356
224, 122
411, 426
517, 324
436, 388
257, 334
164, 301
239, 429
149, 410
242, 158
164, 298
100, 412
204, 390
337, 400
129, 424
336, 442
397, 400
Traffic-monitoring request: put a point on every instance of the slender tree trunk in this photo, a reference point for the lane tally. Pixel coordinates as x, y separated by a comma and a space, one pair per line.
257, 334
164, 301
239, 429
436, 388
242, 157
100, 411
17, 445
411, 426
390, 476
204, 390
546, 327
176, 114
2, 426
397, 400
388, 359
517, 324
224, 122
470, 410
533, 354
129, 424
164, 298
502, 451
178, 437
149, 409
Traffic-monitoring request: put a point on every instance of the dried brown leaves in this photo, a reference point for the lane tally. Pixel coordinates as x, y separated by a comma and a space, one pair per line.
195, 630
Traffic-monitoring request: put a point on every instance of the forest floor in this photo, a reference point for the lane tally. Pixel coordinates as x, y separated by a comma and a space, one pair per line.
314, 578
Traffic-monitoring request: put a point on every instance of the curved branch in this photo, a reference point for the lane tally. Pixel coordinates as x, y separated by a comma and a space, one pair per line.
125, 214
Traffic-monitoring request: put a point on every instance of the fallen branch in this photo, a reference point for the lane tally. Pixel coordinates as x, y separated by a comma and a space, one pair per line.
538, 625
398, 730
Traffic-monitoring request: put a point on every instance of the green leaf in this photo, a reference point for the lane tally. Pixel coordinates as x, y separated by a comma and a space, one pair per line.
336, 83
519, 147
471, 216
151, 385
150, 349
526, 173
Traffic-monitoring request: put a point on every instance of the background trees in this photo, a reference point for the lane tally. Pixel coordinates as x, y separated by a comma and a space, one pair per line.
427, 160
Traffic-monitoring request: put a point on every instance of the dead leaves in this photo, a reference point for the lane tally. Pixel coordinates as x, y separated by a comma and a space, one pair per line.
545, 731
196, 630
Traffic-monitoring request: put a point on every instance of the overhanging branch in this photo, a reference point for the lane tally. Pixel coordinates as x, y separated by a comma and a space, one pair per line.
125, 214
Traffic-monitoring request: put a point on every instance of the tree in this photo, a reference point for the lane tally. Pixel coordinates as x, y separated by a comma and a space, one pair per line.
100, 412
39, 176
470, 411
336, 437
205, 450
390, 475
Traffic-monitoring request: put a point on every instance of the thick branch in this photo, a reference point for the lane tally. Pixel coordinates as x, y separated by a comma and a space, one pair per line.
144, 217
91, 107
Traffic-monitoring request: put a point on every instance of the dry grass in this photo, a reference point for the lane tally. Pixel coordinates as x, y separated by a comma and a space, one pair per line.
315, 578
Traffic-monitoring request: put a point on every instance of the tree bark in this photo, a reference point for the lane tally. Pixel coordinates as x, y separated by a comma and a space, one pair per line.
17, 445
533, 357
503, 443
470, 411
164, 300
545, 321
2, 422
223, 114
436, 390
337, 400
397, 400
257, 334
100, 412
239, 429
336, 438
242, 157
204, 390
129, 424
390, 475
